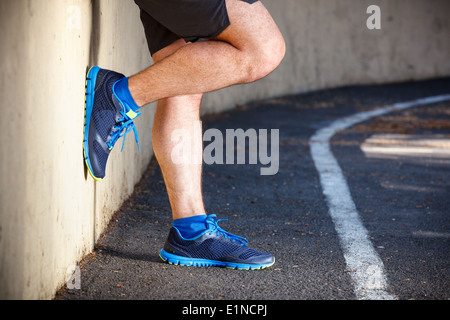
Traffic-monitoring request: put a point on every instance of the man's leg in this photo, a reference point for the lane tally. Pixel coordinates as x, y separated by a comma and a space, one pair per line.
183, 181
210, 244
249, 49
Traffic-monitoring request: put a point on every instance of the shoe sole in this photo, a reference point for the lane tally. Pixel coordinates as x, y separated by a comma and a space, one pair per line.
91, 80
185, 261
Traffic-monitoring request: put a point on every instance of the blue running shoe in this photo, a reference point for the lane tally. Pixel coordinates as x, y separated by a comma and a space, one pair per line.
213, 248
107, 118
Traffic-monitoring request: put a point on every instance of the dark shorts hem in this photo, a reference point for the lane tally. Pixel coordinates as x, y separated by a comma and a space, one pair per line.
166, 21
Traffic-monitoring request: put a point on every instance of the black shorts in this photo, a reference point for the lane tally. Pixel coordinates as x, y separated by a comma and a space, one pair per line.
166, 21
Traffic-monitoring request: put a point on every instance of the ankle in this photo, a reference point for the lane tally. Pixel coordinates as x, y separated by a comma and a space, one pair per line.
122, 92
179, 216
136, 92
191, 227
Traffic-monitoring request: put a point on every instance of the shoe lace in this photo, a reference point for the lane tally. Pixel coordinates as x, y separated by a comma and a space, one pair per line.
125, 125
213, 226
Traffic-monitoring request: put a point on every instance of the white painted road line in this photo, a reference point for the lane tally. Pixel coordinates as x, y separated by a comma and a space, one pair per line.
363, 262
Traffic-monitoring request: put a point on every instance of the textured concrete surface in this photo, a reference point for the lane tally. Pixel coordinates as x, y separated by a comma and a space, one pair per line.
329, 45
52, 212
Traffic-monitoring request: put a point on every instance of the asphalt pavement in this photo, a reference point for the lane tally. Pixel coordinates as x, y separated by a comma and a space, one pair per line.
396, 166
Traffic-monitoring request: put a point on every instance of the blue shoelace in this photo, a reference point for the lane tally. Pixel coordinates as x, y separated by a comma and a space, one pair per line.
126, 125
213, 226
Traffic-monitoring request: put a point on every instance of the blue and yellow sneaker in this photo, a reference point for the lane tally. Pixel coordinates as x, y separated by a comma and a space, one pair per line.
213, 248
109, 114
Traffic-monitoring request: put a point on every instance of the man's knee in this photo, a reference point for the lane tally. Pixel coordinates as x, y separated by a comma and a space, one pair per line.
265, 59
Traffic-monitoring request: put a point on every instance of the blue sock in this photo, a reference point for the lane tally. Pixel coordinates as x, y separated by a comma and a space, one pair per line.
123, 93
190, 227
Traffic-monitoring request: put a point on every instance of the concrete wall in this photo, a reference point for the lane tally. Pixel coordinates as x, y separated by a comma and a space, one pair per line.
51, 211
329, 45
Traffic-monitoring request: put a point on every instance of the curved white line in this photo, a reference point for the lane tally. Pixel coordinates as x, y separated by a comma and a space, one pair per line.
363, 262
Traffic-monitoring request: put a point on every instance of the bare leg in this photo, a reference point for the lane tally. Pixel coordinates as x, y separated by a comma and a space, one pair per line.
249, 49
183, 181
246, 51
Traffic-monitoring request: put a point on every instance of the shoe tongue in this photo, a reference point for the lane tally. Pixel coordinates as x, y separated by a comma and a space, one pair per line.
117, 104
124, 108
122, 94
